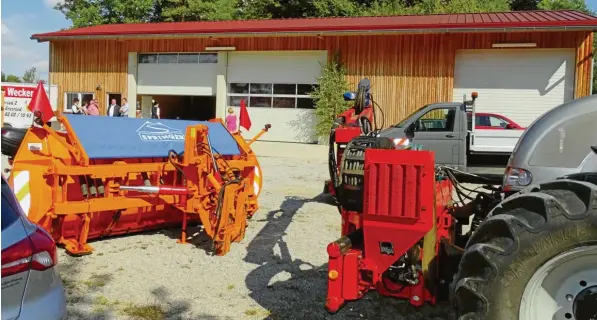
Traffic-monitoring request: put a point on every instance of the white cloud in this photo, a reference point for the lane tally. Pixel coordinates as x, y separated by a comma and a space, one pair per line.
19, 53
5, 30
7, 36
52, 3
42, 65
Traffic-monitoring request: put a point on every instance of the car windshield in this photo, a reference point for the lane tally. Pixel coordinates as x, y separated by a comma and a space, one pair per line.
405, 120
9, 214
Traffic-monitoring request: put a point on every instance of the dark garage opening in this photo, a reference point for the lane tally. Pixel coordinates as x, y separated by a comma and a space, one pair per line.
200, 108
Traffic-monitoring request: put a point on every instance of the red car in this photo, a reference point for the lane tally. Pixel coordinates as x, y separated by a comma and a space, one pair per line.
494, 121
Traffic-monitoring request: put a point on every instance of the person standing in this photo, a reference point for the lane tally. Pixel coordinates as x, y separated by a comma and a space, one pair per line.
93, 108
231, 120
155, 110
75, 108
124, 109
113, 109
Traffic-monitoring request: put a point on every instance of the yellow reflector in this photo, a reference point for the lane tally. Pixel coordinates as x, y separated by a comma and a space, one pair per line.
333, 274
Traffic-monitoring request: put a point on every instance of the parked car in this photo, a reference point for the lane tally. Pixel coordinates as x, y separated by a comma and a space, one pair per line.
31, 285
485, 120
446, 129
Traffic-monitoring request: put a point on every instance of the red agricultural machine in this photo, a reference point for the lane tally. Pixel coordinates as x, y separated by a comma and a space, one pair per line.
355, 121
532, 255
105, 176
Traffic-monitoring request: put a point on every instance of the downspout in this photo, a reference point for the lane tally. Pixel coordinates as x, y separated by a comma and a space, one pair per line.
592, 80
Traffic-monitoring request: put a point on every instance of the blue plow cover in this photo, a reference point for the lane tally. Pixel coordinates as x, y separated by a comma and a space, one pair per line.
113, 137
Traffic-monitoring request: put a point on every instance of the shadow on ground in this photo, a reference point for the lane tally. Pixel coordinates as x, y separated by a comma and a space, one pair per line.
85, 299
303, 295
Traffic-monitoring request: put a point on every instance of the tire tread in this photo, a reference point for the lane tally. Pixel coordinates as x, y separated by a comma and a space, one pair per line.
523, 215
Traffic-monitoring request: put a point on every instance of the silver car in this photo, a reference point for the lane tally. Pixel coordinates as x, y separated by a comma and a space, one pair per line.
31, 286
554, 145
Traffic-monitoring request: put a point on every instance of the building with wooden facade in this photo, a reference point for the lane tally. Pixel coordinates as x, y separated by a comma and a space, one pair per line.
520, 63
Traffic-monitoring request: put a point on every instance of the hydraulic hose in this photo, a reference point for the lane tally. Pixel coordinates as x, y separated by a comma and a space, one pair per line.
332, 164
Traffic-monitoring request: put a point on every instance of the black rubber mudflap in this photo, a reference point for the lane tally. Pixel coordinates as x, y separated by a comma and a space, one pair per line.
519, 236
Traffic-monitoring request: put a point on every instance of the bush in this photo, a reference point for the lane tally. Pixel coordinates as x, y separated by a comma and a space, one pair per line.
328, 95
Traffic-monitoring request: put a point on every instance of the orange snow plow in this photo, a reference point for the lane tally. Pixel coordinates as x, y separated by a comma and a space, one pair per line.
105, 176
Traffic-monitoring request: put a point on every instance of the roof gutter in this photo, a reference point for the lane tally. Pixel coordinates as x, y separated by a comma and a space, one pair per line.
42, 38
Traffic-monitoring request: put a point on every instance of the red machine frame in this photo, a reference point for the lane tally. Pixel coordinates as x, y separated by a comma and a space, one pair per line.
404, 207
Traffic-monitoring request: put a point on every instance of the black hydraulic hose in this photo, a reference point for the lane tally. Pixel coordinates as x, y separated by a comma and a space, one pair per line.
332, 161
383, 115
359, 103
177, 167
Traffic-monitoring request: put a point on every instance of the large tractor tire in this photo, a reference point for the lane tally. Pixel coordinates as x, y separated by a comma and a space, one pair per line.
533, 258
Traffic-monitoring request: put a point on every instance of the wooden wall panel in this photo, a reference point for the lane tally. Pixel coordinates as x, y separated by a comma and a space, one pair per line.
584, 56
406, 71
82, 66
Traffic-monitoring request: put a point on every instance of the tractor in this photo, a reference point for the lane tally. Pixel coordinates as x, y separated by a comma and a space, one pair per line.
412, 230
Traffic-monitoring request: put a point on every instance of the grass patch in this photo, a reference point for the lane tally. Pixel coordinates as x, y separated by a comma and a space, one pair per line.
257, 312
146, 312
101, 304
102, 301
97, 281
99, 254
231, 286
251, 312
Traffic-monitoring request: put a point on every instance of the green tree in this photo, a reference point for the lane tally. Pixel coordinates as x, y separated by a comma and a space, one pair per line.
520, 5
197, 10
563, 5
389, 7
85, 13
328, 95
30, 75
10, 78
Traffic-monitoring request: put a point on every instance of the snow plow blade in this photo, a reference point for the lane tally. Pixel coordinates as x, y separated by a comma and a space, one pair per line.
105, 176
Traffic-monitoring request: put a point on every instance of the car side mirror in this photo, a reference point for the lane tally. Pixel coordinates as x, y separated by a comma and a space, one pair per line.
594, 148
509, 126
410, 131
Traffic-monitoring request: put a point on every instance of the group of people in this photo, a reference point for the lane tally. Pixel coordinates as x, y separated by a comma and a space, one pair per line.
91, 108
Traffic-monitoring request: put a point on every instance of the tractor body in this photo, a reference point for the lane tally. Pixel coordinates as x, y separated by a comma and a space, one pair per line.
527, 255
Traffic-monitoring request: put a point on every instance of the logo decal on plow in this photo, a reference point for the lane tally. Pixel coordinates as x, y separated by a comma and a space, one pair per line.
157, 131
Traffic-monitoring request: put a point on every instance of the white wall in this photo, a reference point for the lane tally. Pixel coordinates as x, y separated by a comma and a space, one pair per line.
275, 66
288, 125
520, 84
303, 67
131, 82
177, 79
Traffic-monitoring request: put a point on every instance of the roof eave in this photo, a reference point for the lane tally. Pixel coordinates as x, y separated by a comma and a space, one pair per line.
44, 38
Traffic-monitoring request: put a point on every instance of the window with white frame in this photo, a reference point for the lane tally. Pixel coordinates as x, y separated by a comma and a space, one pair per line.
84, 98
271, 95
186, 58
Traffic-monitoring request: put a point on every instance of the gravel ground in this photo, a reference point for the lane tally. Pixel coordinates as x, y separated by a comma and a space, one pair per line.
277, 272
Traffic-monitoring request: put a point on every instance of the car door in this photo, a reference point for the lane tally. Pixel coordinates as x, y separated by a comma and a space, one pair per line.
438, 130
482, 121
13, 232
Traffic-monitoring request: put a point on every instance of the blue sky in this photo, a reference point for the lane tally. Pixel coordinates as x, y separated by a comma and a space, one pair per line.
22, 18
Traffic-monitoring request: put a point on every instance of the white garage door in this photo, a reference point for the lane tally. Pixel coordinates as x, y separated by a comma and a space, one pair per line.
520, 84
277, 87
191, 74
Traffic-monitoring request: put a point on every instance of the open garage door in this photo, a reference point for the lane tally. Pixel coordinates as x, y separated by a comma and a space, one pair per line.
183, 74
277, 87
520, 84
184, 84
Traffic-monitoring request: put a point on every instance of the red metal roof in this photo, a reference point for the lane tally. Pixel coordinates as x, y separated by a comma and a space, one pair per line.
468, 21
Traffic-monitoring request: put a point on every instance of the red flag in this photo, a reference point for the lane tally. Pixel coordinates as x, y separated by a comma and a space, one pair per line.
40, 102
244, 121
